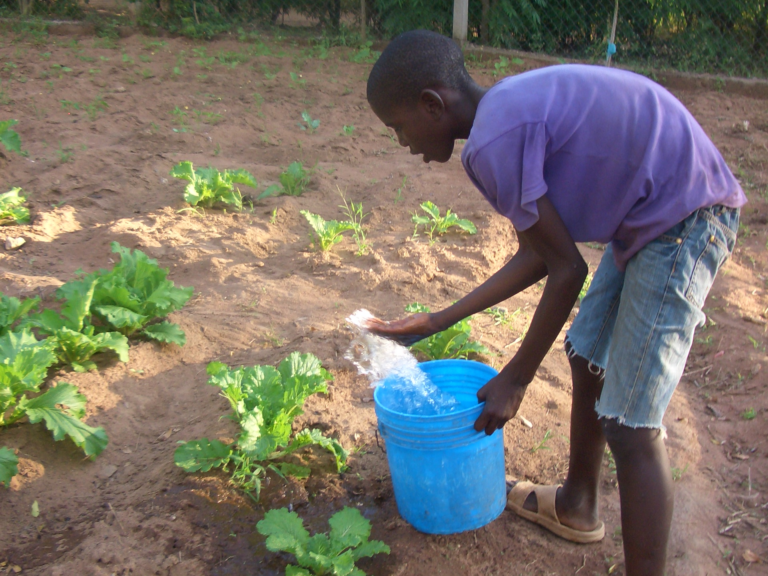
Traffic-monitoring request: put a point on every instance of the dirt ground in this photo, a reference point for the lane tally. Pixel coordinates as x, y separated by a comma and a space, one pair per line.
95, 176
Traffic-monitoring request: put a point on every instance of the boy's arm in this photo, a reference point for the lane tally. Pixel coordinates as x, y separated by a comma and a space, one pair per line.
566, 271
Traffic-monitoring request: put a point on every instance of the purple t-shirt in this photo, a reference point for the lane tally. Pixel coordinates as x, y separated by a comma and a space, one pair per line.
619, 157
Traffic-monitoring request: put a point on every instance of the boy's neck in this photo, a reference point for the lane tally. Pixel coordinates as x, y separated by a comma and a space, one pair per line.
465, 107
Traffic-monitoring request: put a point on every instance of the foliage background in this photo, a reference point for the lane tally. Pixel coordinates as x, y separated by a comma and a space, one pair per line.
719, 36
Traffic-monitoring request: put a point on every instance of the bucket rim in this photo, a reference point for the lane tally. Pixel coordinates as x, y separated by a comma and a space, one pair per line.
433, 417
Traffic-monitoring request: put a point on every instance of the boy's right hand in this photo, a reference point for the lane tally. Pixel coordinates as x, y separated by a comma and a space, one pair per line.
406, 331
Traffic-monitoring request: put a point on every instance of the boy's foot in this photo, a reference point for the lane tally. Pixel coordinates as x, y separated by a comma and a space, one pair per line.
542, 511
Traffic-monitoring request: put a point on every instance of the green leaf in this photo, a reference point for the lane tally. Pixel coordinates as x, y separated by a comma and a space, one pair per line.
8, 137
12, 209
349, 528
65, 423
295, 470
291, 570
274, 190
344, 564
431, 209
370, 548
8, 466
35, 509
285, 532
201, 455
12, 310
24, 364
121, 318
467, 226
183, 170
242, 177
166, 332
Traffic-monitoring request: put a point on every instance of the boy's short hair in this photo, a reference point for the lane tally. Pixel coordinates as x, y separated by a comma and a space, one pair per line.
412, 62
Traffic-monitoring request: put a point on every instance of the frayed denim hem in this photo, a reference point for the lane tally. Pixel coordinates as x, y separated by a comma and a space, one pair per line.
620, 419
593, 367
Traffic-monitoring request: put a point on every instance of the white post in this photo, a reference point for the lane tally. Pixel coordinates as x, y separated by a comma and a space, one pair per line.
460, 20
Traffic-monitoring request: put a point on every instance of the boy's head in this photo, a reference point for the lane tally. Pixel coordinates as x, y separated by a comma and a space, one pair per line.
411, 89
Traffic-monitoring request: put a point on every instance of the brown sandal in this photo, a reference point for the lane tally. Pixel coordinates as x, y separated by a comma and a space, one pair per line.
546, 515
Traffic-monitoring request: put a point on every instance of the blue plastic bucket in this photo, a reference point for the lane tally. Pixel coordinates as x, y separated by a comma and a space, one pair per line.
447, 477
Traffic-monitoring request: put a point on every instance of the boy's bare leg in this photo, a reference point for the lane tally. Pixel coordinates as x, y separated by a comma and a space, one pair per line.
645, 489
576, 502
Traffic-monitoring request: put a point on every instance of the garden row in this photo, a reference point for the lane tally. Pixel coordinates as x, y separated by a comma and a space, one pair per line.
104, 310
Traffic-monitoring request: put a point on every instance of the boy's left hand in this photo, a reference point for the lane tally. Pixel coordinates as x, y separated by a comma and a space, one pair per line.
502, 400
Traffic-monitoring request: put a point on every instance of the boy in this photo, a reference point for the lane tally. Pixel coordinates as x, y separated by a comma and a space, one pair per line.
571, 154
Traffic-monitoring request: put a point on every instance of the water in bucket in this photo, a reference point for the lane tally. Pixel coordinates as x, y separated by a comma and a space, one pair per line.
405, 387
447, 477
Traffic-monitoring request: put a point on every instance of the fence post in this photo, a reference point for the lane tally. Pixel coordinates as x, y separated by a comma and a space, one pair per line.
460, 20
362, 20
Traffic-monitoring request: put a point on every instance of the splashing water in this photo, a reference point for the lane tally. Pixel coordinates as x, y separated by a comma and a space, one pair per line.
390, 365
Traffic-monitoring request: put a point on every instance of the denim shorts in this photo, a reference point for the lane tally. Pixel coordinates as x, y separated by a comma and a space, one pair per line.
636, 327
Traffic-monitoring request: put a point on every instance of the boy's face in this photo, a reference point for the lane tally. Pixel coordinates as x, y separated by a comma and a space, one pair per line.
423, 127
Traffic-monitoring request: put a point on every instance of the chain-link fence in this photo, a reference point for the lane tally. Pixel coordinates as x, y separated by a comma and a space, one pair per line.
715, 36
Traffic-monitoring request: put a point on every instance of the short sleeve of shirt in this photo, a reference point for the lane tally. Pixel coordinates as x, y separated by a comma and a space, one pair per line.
509, 171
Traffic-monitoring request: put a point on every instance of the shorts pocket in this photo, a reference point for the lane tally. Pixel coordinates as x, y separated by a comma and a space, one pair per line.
707, 264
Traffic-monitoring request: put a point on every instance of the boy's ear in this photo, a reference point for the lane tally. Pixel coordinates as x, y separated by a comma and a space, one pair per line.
432, 103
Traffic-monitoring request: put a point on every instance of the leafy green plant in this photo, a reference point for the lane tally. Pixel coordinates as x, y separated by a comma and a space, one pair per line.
264, 401
293, 182
434, 224
131, 296
355, 215
13, 310
73, 339
334, 553
309, 125
65, 153
22, 371
365, 54
451, 343
12, 209
8, 466
93, 109
208, 186
748, 414
348, 129
327, 232
542, 445
298, 82
9, 138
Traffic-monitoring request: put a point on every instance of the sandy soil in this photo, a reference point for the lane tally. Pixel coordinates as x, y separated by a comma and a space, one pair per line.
261, 292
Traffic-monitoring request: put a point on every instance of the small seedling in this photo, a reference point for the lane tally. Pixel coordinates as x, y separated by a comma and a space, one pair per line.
364, 54
93, 109
309, 125
65, 153
543, 444
180, 118
293, 182
434, 224
322, 554
451, 343
677, 473
348, 130
354, 213
327, 232
9, 138
208, 186
297, 81
748, 414
12, 209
